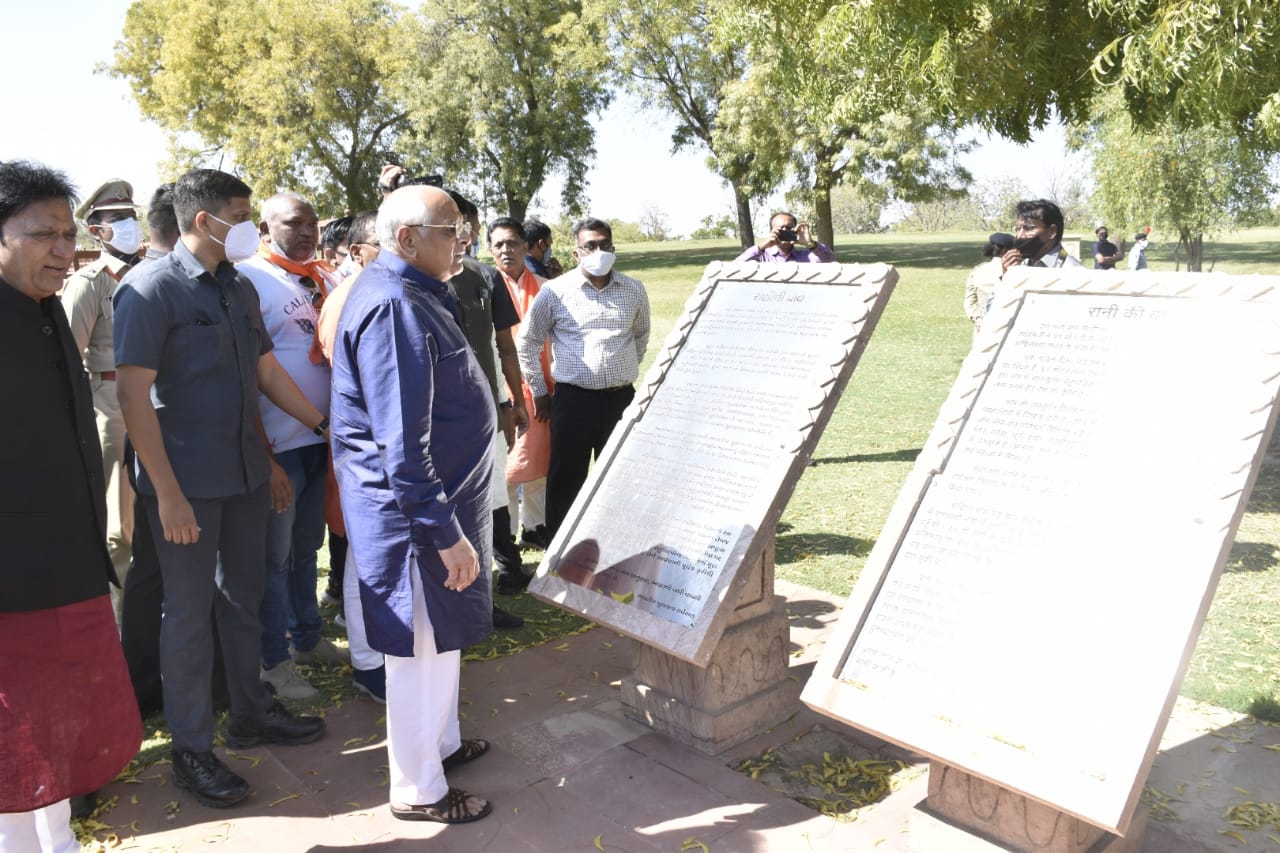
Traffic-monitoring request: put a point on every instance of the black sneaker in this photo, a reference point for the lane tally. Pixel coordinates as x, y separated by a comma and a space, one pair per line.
211, 781
277, 724
503, 619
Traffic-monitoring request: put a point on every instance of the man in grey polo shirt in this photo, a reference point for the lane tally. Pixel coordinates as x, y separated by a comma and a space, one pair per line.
191, 356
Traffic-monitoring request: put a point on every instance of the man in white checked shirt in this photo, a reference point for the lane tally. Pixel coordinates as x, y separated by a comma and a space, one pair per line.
598, 323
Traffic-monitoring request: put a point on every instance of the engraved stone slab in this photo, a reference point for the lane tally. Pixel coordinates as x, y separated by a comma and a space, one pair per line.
1053, 554
700, 468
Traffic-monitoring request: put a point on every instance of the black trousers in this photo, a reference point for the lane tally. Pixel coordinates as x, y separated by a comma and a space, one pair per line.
581, 422
140, 613
337, 564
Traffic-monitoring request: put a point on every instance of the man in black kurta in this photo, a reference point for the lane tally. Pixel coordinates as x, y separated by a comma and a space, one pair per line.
68, 720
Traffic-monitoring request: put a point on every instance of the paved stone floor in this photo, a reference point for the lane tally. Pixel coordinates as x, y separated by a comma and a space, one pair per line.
569, 772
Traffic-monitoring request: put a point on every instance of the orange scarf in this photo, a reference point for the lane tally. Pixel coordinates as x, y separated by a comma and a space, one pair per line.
522, 293
323, 273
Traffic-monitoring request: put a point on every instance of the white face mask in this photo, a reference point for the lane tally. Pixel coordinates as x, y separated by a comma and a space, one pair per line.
242, 240
126, 236
598, 262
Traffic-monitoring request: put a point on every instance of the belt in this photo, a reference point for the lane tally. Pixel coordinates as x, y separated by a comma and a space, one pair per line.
611, 390
106, 375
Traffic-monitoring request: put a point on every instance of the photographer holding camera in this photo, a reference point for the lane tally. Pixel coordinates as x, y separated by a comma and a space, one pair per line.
788, 242
393, 177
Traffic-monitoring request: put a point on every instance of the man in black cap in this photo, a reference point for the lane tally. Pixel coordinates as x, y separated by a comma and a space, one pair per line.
112, 218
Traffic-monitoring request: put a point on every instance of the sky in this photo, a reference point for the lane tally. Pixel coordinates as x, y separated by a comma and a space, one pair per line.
63, 114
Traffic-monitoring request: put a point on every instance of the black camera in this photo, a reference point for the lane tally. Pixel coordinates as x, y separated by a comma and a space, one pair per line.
787, 235
405, 179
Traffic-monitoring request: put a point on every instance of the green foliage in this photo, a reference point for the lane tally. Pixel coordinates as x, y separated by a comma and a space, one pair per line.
1195, 62
501, 96
714, 228
290, 90
666, 53
1190, 182
1009, 66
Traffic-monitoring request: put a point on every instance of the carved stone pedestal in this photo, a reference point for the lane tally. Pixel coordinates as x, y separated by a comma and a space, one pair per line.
742, 691
968, 805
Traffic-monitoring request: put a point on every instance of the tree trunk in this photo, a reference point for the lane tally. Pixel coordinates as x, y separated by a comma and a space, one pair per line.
822, 213
746, 231
516, 207
1194, 244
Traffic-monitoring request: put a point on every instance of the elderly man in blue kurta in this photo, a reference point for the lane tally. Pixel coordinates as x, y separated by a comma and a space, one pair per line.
412, 427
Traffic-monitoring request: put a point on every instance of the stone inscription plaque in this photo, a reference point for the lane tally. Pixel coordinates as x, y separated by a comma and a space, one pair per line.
1030, 606
703, 459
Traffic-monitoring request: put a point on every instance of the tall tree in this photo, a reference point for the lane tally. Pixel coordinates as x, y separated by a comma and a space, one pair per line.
1191, 182
508, 98
290, 90
833, 127
666, 52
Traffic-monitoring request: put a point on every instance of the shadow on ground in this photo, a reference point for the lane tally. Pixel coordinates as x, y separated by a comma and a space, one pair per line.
795, 546
905, 455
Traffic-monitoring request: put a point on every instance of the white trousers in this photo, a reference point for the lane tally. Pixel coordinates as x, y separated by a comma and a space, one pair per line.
47, 830
422, 712
528, 502
362, 657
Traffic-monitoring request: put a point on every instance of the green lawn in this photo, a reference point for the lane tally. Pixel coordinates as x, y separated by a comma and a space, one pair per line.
840, 505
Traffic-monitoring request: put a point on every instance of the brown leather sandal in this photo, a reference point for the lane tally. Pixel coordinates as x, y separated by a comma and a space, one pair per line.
457, 806
469, 751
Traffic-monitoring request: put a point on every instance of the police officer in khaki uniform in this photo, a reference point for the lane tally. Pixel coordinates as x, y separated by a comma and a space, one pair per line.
112, 219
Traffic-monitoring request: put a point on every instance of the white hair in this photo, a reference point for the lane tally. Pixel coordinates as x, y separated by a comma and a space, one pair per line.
406, 206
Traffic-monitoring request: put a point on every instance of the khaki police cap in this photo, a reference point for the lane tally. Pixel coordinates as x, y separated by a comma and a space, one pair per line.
115, 194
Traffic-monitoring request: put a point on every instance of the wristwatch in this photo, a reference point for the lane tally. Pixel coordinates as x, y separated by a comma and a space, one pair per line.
506, 404
319, 428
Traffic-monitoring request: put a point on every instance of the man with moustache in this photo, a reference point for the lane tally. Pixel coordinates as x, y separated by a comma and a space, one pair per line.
292, 283
68, 721
413, 430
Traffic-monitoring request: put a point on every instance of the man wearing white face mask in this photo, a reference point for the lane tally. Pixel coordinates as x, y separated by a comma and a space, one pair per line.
192, 355
111, 217
598, 322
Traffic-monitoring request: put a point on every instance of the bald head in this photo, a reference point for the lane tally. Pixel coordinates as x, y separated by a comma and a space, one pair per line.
290, 221
416, 224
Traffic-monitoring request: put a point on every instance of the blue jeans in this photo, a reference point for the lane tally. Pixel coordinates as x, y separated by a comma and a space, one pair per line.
293, 537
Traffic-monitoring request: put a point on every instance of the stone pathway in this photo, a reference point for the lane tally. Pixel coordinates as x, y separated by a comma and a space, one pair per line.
569, 772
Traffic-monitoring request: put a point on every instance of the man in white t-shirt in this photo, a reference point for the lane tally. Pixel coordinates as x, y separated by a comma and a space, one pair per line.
291, 284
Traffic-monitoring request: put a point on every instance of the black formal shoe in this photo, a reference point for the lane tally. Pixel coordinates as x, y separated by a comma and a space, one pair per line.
511, 584
503, 619
211, 781
84, 805
277, 724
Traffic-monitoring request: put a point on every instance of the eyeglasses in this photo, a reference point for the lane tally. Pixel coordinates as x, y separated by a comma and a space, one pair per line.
374, 243
461, 229
317, 298
1025, 227
592, 245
